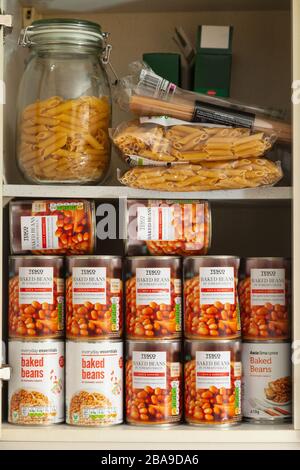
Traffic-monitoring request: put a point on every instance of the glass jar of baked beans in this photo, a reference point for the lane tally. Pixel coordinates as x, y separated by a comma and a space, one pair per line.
168, 227
36, 297
211, 306
94, 291
153, 297
212, 381
264, 292
53, 227
153, 382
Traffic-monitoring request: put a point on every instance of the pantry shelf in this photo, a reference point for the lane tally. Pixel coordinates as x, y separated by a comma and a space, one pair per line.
109, 192
177, 437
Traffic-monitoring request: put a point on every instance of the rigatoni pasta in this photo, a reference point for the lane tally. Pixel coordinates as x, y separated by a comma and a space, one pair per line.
155, 142
65, 140
239, 174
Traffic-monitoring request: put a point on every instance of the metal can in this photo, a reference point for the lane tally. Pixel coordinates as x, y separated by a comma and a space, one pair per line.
168, 227
264, 292
36, 387
94, 292
153, 297
153, 382
94, 383
211, 305
267, 381
36, 297
212, 378
52, 227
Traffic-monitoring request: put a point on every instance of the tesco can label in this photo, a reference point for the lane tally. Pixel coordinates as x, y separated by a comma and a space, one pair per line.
94, 383
36, 388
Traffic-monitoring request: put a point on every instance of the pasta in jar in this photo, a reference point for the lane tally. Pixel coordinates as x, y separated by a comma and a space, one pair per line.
238, 174
65, 140
162, 140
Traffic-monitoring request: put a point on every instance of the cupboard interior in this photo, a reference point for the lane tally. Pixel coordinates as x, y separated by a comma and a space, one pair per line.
261, 74
261, 64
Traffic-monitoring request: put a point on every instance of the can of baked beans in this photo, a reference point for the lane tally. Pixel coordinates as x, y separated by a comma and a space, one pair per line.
36, 297
153, 382
36, 387
94, 383
52, 227
265, 299
168, 227
212, 381
153, 297
94, 292
211, 304
267, 381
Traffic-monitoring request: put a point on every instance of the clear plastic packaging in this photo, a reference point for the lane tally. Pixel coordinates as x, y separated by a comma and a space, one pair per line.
167, 141
168, 227
147, 94
208, 176
64, 104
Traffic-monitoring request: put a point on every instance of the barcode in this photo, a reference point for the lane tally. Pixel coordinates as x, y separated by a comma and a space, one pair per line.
154, 85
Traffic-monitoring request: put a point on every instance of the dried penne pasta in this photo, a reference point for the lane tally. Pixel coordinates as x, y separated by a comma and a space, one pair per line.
155, 139
65, 140
205, 177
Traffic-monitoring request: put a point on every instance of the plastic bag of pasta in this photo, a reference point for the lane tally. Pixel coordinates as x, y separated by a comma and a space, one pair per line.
207, 176
163, 141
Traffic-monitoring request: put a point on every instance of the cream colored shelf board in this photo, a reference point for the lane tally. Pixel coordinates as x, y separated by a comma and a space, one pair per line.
11, 190
183, 434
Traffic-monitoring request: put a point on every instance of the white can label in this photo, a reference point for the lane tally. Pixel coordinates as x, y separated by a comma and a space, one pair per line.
38, 232
94, 383
267, 286
213, 369
89, 285
153, 285
149, 368
36, 388
217, 284
36, 284
267, 382
155, 223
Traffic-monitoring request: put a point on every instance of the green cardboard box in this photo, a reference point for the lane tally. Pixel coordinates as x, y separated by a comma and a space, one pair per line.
165, 64
213, 60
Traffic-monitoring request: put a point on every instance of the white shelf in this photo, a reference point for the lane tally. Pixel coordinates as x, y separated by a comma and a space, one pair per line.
178, 437
99, 192
128, 6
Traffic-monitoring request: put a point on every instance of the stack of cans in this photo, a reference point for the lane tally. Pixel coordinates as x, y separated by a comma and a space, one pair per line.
265, 301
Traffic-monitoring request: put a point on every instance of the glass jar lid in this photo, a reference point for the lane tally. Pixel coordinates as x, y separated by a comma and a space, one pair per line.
62, 31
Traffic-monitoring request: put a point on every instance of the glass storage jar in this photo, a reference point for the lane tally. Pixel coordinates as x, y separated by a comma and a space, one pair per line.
64, 103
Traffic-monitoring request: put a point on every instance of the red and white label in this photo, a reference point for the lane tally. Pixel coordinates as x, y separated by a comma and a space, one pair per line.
38, 232
267, 286
89, 285
213, 369
217, 284
153, 285
36, 284
149, 368
155, 223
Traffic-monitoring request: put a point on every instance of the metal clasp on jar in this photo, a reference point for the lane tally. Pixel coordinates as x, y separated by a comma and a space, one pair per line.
106, 55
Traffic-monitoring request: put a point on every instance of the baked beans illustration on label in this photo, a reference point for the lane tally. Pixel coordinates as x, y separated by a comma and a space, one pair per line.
36, 388
52, 227
267, 381
153, 383
166, 227
94, 383
94, 297
36, 297
153, 298
213, 382
265, 299
211, 306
